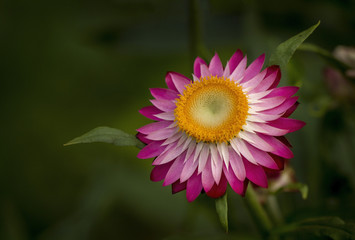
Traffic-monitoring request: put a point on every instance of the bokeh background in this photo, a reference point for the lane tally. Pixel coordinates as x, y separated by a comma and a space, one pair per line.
69, 66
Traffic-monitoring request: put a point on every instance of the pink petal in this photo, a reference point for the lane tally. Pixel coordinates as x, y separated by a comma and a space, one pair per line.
282, 108
254, 68
217, 163
256, 141
159, 172
155, 126
193, 187
168, 116
205, 72
261, 157
265, 83
189, 168
197, 66
238, 186
153, 149
267, 129
255, 174
259, 117
163, 93
150, 112
291, 110
216, 67
237, 165
254, 82
180, 81
287, 91
170, 153
240, 147
202, 160
268, 103
287, 123
235, 60
169, 82
175, 170
142, 137
278, 77
280, 148
238, 72
178, 187
164, 105
162, 134
207, 177
218, 190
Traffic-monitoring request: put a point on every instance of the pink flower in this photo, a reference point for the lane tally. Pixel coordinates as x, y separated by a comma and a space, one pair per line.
226, 126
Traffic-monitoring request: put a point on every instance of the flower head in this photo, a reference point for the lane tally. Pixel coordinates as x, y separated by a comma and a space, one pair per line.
225, 126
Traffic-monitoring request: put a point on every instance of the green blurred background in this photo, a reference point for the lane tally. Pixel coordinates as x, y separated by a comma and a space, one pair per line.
69, 66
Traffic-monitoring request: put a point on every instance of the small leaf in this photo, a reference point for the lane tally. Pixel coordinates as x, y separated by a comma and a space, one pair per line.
107, 135
222, 211
283, 53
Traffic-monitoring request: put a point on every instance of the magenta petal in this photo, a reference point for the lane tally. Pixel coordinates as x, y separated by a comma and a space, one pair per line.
235, 60
254, 68
278, 77
193, 187
268, 103
189, 168
163, 105
255, 174
280, 148
256, 141
178, 187
267, 129
162, 134
159, 172
282, 108
287, 91
207, 177
236, 163
197, 66
216, 67
152, 127
150, 112
265, 83
180, 81
163, 93
238, 72
291, 110
142, 137
261, 157
237, 185
169, 82
218, 190
287, 123
153, 149
171, 152
175, 170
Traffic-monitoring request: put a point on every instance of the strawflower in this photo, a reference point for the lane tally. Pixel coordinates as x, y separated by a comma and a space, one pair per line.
225, 126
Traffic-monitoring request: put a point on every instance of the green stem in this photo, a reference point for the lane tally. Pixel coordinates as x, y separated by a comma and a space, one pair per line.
257, 212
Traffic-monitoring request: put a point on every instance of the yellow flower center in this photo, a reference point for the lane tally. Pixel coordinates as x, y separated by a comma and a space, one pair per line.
213, 109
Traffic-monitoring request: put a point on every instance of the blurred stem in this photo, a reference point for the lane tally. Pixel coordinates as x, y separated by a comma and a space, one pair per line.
257, 212
273, 209
195, 31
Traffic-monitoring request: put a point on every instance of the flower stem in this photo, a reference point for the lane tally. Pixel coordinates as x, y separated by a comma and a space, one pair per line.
257, 212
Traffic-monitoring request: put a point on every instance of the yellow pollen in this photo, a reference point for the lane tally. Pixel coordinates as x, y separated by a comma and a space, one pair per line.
213, 109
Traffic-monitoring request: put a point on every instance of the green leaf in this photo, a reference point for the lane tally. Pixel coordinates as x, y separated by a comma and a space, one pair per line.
107, 135
222, 211
324, 227
283, 53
